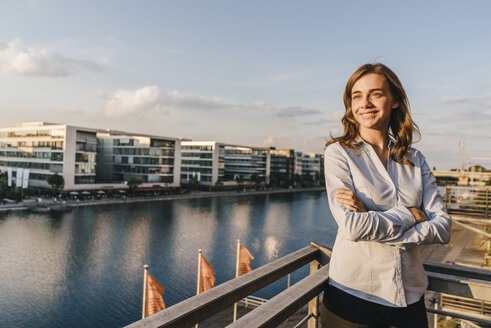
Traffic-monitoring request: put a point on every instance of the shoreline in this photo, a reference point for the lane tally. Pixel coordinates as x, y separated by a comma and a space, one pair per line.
192, 195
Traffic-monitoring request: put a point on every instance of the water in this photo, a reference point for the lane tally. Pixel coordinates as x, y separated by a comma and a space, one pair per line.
85, 268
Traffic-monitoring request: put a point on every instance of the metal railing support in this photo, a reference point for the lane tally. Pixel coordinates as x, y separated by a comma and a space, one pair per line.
314, 303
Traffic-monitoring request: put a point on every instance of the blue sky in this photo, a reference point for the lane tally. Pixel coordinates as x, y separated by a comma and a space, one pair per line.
246, 72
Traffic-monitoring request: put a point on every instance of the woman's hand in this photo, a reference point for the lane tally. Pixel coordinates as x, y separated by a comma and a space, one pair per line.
349, 199
419, 215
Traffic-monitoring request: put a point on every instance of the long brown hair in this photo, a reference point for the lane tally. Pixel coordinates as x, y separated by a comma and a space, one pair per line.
401, 124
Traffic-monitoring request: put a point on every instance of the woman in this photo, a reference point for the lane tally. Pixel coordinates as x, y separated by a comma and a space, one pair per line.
385, 201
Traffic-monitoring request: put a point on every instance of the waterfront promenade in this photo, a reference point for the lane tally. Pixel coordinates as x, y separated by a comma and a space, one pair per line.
198, 194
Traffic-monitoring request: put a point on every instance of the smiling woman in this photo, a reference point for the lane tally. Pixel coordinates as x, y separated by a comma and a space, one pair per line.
385, 201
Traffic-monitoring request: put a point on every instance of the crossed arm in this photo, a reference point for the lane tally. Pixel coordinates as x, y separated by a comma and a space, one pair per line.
398, 226
349, 199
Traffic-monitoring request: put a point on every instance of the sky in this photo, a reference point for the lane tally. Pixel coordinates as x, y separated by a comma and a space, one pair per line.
255, 73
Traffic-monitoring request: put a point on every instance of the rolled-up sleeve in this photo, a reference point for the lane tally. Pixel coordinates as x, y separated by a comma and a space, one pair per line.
437, 229
378, 226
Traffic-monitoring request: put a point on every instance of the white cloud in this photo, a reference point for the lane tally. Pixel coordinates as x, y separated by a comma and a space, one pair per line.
151, 99
297, 111
134, 102
18, 60
175, 99
274, 140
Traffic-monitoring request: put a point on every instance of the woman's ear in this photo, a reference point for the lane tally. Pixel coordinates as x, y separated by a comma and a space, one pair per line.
395, 105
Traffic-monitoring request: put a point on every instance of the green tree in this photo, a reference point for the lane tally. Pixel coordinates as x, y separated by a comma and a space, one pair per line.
297, 180
3, 185
194, 183
256, 179
133, 184
56, 181
240, 182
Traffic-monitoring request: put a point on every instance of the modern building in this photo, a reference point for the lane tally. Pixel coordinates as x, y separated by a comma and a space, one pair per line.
44, 149
282, 167
153, 160
87, 158
210, 162
311, 164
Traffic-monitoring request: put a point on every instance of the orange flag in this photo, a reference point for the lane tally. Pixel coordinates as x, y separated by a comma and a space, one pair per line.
155, 302
245, 258
207, 276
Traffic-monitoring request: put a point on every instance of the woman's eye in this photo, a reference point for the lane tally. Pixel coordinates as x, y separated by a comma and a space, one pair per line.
356, 97
376, 95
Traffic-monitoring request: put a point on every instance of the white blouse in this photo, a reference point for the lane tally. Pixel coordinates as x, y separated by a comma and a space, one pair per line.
374, 255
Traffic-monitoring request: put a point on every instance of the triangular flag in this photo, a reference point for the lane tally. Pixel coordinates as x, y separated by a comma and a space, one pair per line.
155, 301
207, 276
245, 258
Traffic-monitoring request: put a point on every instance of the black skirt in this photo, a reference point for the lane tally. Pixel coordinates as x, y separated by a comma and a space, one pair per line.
341, 309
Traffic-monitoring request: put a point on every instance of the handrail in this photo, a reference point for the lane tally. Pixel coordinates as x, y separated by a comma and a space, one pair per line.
468, 200
450, 279
279, 308
200, 307
457, 270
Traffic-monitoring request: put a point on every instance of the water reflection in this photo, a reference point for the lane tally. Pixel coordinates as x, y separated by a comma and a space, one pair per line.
84, 268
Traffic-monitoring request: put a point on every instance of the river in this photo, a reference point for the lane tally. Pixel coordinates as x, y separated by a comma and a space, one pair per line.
84, 268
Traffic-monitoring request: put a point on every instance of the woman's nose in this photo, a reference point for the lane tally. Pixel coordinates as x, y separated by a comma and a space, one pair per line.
365, 101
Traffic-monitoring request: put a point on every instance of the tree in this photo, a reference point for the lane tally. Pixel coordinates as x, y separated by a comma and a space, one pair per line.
56, 181
297, 179
240, 182
133, 184
194, 183
256, 179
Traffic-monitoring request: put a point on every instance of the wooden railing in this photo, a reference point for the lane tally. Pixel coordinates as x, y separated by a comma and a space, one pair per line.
443, 278
469, 201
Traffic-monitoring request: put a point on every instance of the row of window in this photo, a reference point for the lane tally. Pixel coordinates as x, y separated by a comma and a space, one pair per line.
143, 151
36, 144
196, 162
196, 154
143, 160
142, 169
204, 148
84, 179
202, 170
85, 157
32, 133
53, 156
56, 168
253, 152
86, 168
153, 143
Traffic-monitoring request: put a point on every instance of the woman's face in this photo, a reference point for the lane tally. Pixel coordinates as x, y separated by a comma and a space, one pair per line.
372, 102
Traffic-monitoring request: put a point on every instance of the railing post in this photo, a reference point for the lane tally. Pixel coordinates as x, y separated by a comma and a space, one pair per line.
487, 202
314, 303
447, 197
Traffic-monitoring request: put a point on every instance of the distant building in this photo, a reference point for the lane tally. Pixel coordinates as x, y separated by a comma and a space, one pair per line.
282, 167
153, 160
45, 149
88, 158
209, 162
91, 159
309, 166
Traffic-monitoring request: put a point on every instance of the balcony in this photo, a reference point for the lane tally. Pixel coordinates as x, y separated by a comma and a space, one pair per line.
456, 281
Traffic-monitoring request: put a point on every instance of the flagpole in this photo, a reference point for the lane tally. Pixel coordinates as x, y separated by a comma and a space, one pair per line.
200, 253
237, 266
144, 307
